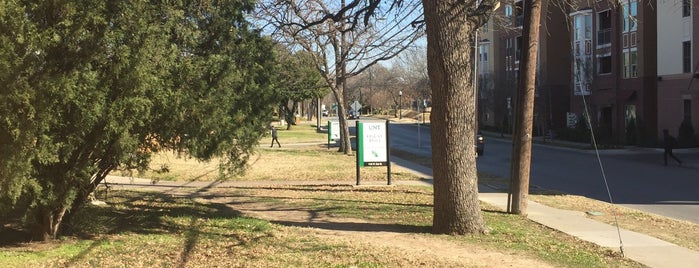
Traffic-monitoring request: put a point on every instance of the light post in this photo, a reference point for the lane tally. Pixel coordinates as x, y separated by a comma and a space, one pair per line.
400, 104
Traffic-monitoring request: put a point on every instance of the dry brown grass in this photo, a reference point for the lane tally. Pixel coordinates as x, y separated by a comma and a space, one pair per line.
289, 163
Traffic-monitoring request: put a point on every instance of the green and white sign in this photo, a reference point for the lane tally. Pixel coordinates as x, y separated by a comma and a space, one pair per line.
333, 130
373, 144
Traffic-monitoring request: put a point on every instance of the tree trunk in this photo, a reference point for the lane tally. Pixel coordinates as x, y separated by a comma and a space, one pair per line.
345, 145
522, 138
47, 222
449, 34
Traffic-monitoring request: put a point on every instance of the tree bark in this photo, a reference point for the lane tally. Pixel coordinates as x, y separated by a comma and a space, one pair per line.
48, 220
522, 139
449, 34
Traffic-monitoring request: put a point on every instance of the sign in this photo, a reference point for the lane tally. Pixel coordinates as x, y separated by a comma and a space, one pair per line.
373, 144
372, 147
572, 120
356, 106
333, 130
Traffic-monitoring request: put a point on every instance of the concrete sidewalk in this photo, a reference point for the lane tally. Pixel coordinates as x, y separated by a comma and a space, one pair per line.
638, 247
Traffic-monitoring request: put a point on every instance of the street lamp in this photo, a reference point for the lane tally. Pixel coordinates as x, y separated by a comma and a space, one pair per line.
400, 104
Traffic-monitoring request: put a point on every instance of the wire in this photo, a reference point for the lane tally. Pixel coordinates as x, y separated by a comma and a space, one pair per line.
604, 176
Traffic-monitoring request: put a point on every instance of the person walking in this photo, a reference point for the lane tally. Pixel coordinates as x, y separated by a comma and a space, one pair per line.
274, 137
669, 142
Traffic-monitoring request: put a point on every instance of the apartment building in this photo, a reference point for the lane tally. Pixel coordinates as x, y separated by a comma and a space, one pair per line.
677, 58
485, 79
628, 65
552, 91
616, 73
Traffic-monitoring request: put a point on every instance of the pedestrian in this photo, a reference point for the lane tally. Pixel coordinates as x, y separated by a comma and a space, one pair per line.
670, 142
274, 137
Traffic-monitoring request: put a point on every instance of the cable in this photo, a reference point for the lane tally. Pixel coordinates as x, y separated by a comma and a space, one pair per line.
604, 176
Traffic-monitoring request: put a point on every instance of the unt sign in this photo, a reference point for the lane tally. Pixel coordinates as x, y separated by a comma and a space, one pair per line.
333, 131
372, 146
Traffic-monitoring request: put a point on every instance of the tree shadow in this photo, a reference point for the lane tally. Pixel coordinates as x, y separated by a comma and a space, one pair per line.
358, 226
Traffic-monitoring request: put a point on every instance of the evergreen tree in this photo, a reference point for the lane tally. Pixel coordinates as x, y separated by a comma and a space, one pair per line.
87, 86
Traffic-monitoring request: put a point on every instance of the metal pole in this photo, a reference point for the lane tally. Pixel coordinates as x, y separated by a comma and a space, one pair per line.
400, 104
418, 128
359, 136
388, 154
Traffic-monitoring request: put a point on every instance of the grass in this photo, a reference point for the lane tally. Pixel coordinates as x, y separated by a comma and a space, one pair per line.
145, 229
319, 162
160, 230
410, 208
305, 132
682, 233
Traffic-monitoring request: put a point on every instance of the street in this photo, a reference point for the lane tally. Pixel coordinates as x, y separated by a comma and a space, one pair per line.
636, 177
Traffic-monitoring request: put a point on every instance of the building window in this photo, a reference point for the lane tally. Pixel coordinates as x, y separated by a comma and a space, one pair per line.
604, 28
583, 65
519, 14
629, 16
687, 56
483, 53
604, 64
630, 63
686, 8
508, 15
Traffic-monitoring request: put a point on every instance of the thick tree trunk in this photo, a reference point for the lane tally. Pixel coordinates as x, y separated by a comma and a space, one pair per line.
522, 138
449, 36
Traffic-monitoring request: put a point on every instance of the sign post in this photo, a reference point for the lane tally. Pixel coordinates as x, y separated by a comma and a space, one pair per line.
372, 147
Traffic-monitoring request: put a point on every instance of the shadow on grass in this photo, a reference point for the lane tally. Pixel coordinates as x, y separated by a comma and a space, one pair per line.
358, 226
336, 188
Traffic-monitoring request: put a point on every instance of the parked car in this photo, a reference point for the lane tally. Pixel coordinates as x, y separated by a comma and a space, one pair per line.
353, 114
480, 143
324, 112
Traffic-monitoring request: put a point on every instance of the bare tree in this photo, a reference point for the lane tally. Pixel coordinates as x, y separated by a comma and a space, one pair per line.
450, 27
375, 87
412, 68
342, 37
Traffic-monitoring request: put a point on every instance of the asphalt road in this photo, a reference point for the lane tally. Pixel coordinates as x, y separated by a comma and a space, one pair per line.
636, 178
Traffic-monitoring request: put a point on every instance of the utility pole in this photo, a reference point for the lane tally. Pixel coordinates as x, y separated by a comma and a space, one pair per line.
522, 138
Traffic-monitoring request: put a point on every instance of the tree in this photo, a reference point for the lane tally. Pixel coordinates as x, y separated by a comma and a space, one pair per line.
91, 85
377, 87
450, 30
342, 41
412, 68
298, 80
